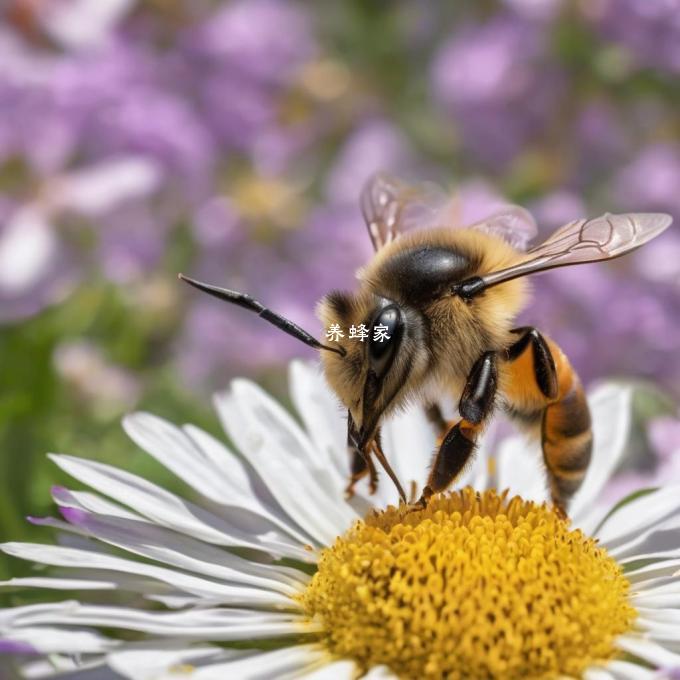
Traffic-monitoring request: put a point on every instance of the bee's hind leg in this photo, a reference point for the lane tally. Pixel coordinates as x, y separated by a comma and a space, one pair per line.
458, 444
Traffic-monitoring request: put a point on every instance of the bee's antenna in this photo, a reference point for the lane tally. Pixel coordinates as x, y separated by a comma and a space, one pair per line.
245, 301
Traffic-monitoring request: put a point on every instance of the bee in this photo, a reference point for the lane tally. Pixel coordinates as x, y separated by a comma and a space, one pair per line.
445, 298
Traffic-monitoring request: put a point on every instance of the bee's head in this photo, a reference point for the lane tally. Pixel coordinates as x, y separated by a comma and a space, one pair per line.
385, 355
374, 361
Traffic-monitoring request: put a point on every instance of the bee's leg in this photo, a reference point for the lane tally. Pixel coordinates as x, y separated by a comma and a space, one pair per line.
360, 466
476, 404
543, 388
361, 463
376, 446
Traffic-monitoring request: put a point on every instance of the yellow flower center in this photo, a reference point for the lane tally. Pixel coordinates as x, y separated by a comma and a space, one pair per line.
473, 586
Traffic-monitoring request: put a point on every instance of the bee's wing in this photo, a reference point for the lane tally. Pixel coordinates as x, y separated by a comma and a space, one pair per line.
512, 223
391, 206
581, 241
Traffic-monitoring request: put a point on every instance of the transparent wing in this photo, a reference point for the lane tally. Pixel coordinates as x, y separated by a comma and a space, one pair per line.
391, 206
581, 241
512, 223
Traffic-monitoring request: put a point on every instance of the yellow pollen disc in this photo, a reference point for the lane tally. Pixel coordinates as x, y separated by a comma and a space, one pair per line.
473, 586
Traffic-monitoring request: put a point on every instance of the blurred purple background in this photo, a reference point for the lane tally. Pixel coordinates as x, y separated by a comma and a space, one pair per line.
230, 140
251, 125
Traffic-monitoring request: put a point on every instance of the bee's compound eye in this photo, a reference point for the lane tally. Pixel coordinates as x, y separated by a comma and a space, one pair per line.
385, 336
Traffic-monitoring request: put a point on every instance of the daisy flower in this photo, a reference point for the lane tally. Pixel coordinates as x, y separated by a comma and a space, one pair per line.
269, 572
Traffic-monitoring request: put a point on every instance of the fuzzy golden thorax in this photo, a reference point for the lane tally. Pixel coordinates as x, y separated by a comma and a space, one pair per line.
444, 334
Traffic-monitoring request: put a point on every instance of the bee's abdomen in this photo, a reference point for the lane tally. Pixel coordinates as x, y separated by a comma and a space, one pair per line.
567, 440
542, 390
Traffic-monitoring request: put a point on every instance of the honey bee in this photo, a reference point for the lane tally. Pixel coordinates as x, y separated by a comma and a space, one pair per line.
445, 298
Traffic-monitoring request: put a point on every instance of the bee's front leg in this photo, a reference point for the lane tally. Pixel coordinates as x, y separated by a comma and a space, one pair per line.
457, 446
360, 466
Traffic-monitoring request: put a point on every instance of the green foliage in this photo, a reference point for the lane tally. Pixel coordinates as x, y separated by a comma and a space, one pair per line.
41, 411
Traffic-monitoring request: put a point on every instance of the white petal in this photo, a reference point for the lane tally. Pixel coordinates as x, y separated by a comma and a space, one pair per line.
238, 485
658, 557
409, 443
81, 24
321, 414
70, 557
152, 663
275, 447
639, 514
336, 670
625, 670
661, 536
59, 665
27, 247
659, 631
172, 448
97, 189
520, 469
46, 640
167, 509
223, 462
380, 673
84, 500
183, 552
597, 674
10, 616
225, 483
264, 666
177, 601
652, 571
84, 579
201, 624
660, 615
66, 668
648, 650
58, 583
272, 417
610, 407
658, 597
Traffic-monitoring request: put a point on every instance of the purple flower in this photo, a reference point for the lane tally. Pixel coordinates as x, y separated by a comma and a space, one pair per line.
243, 58
81, 25
557, 208
664, 435
36, 269
372, 146
219, 340
492, 79
99, 384
602, 140
649, 30
16, 647
263, 40
651, 180
541, 10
